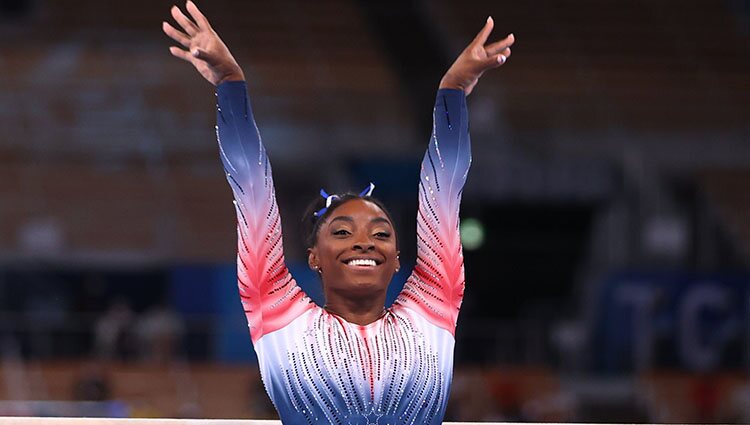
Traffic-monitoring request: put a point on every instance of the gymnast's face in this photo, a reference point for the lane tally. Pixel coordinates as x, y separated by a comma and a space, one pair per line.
355, 252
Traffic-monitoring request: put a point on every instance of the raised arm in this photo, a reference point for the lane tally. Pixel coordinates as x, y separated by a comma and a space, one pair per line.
436, 286
270, 296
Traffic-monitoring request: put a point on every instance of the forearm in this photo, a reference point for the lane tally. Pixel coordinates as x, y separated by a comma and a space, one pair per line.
248, 173
448, 154
242, 152
443, 174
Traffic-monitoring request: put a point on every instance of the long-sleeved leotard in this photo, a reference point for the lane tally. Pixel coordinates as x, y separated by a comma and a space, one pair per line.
318, 368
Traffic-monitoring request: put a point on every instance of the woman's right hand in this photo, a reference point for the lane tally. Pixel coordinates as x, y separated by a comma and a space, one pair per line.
476, 59
202, 46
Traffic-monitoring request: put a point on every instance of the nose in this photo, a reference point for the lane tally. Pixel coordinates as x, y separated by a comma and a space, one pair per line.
363, 243
364, 247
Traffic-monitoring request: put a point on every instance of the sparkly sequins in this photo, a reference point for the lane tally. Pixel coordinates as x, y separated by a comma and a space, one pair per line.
391, 369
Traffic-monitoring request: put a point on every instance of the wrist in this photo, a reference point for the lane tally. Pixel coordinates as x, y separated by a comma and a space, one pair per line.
450, 82
232, 77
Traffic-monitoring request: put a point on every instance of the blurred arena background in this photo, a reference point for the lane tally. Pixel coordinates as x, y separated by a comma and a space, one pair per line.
606, 217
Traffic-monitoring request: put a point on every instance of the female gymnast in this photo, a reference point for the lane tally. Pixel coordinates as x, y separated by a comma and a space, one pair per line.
352, 361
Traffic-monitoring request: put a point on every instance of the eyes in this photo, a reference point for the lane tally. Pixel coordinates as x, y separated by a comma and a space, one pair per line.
342, 233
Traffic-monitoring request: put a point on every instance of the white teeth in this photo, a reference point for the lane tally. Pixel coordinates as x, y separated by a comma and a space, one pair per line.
358, 262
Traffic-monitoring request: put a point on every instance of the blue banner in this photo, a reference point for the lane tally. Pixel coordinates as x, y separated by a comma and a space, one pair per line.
695, 322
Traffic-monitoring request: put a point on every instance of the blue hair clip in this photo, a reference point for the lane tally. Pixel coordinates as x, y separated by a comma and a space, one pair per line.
368, 190
330, 198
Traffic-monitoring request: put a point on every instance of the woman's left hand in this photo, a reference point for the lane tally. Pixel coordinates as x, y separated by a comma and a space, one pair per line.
476, 59
203, 47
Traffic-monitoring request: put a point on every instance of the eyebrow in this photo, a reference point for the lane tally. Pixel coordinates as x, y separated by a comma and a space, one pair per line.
351, 220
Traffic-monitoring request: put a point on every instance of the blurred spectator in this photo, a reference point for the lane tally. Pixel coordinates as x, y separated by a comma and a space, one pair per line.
114, 332
159, 332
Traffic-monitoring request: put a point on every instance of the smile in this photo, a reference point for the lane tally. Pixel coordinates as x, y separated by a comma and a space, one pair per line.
361, 262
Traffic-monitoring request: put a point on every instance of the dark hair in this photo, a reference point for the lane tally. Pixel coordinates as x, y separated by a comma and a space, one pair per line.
311, 222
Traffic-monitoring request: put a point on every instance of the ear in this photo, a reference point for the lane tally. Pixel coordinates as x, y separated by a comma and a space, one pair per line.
312, 258
398, 261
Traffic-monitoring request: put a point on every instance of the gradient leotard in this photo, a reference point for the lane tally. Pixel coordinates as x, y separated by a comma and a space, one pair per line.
317, 367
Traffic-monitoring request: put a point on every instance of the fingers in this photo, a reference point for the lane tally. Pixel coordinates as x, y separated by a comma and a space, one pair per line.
501, 45
481, 37
175, 34
184, 21
494, 61
506, 53
197, 15
499, 52
179, 53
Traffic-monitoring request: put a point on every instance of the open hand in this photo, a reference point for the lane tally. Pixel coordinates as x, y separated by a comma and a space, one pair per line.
202, 46
476, 59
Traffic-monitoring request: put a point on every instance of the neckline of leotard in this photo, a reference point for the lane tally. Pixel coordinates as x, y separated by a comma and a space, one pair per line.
362, 327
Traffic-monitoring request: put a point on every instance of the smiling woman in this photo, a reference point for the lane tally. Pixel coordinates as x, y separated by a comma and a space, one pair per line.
355, 253
353, 361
